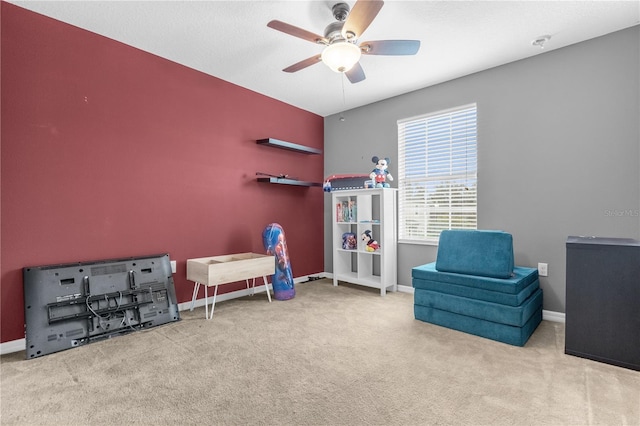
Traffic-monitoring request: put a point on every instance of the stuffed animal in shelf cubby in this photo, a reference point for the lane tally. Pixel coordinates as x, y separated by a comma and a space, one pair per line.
349, 241
380, 175
371, 244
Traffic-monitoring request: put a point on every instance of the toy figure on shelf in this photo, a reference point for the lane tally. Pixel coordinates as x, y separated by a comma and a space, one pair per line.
371, 244
349, 241
380, 175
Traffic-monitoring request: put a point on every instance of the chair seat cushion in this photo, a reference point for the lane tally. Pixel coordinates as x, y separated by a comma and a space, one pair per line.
522, 277
511, 315
478, 293
504, 333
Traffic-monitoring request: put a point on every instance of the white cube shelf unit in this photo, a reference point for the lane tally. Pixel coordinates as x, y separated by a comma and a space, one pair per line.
354, 212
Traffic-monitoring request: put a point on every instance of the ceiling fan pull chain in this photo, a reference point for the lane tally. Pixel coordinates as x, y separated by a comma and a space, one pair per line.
344, 102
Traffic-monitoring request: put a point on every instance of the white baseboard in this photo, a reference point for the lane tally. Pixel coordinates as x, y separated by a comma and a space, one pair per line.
13, 346
185, 306
21, 344
553, 316
405, 289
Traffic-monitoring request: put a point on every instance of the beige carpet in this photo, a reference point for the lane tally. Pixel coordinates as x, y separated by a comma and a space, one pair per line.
331, 356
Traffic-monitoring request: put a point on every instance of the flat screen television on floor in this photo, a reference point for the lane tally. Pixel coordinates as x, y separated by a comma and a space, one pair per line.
74, 304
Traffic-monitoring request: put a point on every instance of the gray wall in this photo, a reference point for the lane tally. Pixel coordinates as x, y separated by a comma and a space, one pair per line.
558, 150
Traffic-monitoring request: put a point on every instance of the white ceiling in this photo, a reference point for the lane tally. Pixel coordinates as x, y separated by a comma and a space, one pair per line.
231, 40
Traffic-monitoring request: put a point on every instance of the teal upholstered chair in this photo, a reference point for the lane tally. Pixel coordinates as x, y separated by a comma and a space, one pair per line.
474, 287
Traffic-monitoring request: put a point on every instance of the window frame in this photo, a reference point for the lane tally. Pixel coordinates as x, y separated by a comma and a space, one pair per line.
453, 179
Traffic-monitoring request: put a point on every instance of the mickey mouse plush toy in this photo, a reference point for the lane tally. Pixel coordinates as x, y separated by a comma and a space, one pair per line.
371, 244
380, 175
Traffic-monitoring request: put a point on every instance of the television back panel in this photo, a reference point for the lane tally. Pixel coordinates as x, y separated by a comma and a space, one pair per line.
74, 304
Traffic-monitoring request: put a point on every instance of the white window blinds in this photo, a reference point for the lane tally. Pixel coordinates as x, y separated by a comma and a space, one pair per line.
437, 174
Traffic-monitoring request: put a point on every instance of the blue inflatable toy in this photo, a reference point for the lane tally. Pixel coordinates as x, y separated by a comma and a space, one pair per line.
276, 245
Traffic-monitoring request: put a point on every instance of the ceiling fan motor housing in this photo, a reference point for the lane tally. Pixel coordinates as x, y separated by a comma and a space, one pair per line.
333, 32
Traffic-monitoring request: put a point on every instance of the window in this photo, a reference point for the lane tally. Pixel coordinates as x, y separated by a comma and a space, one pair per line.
437, 174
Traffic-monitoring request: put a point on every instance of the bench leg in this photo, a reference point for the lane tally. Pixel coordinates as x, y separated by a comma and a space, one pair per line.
266, 287
196, 287
213, 304
206, 303
253, 288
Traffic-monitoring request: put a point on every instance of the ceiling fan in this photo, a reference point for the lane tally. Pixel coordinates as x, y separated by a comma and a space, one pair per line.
341, 52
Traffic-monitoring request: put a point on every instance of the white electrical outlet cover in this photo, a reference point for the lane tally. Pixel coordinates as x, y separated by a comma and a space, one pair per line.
543, 269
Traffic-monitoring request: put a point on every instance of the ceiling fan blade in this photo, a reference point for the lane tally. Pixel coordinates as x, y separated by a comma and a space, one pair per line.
303, 64
297, 32
361, 15
390, 47
356, 73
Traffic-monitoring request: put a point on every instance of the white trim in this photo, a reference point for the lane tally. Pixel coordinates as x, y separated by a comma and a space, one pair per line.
185, 306
13, 346
437, 155
21, 344
553, 316
405, 289
436, 113
420, 242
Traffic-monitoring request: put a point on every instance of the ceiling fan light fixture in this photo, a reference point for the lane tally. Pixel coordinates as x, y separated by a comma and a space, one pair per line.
341, 56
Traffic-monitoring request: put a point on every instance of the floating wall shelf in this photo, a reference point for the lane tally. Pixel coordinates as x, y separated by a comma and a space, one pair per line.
289, 146
282, 181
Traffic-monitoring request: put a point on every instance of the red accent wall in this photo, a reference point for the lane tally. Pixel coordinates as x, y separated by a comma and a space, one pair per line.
109, 151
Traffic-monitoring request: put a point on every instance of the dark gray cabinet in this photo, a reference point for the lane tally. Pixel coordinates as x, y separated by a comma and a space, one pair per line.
603, 300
